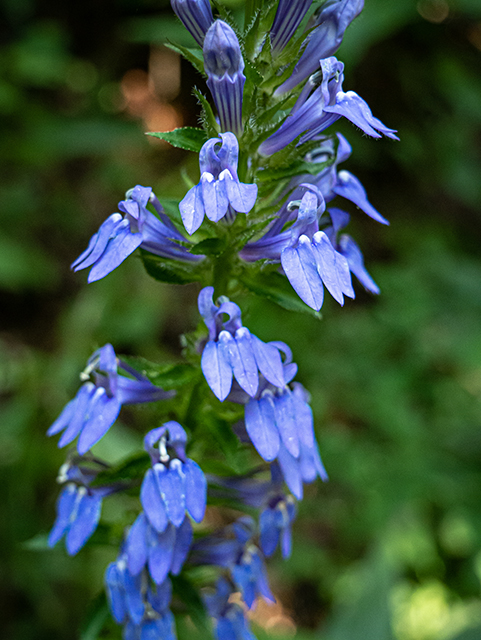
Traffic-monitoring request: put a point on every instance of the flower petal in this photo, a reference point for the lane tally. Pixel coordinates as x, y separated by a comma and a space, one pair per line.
172, 489
290, 471
242, 197
117, 250
261, 427
183, 541
152, 502
269, 361
86, 520
136, 545
214, 195
65, 506
103, 412
191, 209
217, 369
300, 268
161, 549
195, 490
286, 422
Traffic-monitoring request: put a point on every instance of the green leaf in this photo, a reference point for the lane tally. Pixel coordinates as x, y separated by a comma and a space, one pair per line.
39, 542
276, 288
132, 468
296, 168
175, 377
189, 138
194, 56
96, 618
185, 590
209, 247
170, 271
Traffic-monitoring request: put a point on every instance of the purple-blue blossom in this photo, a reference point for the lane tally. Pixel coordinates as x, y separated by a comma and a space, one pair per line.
320, 105
233, 549
232, 351
306, 253
230, 621
275, 525
78, 507
196, 16
224, 65
174, 484
134, 602
288, 17
280, 425
97, 404
162, 553
119, 236
328, 27
219, 188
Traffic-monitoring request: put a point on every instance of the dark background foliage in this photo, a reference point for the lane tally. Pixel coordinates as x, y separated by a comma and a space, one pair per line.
390, 548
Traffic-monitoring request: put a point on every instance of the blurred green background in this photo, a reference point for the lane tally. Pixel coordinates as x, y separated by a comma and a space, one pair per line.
390, 548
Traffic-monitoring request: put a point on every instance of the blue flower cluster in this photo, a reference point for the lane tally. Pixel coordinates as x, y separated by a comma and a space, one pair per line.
298, 231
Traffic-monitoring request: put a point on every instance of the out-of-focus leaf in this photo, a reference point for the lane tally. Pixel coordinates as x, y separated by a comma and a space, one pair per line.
95, 619
130, 469
170, 271
189, 595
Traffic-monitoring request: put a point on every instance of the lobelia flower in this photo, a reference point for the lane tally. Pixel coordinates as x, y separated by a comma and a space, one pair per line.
278, 510
230, 622
219, 188
232, 351
319, 106
233, 549
224, 65
196, 16
119, 236
161, 536
142, 608
330, 24
280, 425
288, 17
97, 404
307, 256
78, 507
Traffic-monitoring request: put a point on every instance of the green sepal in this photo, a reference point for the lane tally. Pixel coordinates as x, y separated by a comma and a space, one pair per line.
295, 169
209, 247
207, 115
194, 56
188, 138
170, 271
276, 287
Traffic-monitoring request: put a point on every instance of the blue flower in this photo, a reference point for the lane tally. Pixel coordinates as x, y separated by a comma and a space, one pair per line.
173, 485
233, 351
196, 16
278, 510
328, 28
230, 621
279, 423
97, 404
219, 187
119, 236
275, 524
288, 17
78, 507
317, 108
224, 65
233, 549
135, 603
161, 552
